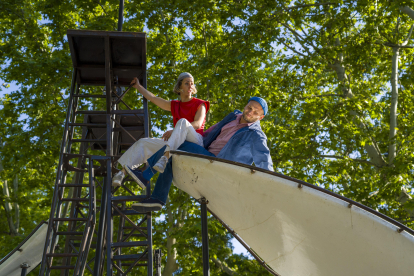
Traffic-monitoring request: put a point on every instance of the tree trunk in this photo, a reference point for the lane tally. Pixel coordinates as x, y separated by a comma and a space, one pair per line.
8, 208
16, 205
371, 148
171, 265
394, 104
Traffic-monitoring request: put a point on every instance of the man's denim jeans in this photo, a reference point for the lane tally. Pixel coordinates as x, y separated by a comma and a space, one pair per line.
163, 185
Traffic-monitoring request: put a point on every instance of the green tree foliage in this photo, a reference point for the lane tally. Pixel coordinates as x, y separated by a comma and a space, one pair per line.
337, 77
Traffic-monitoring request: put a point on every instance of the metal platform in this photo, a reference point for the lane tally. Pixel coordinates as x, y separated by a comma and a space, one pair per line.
125, 51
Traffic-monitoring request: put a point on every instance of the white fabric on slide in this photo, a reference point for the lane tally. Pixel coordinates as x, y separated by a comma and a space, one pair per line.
297, 232
144, 148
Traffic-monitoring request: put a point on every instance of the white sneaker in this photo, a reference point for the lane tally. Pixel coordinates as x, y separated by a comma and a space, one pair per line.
117, 179
161, 164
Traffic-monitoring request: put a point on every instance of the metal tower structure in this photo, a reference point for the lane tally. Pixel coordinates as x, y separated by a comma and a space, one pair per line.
91, 223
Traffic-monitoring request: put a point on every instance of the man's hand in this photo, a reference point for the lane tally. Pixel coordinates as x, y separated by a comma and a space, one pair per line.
167, 135
135, 83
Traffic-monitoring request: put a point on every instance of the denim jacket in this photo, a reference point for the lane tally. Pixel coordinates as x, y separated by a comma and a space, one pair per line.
247, 145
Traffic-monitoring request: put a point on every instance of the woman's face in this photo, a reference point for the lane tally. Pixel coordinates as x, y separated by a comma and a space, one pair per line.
187, 87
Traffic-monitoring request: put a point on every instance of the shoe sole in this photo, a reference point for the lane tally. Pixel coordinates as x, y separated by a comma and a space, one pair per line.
158, 169
147, 207
116, 183
136, 179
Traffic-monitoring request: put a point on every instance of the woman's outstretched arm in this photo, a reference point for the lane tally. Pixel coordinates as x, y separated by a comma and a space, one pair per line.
161, 103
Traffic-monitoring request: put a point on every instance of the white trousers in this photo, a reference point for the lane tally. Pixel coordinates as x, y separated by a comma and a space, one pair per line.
144, 148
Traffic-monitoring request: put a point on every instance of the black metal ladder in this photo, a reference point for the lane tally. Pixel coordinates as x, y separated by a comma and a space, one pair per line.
95, 136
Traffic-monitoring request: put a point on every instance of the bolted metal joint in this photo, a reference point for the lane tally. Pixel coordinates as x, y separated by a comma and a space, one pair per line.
203, 200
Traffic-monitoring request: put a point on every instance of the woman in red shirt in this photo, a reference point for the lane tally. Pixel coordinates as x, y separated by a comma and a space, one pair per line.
189, 117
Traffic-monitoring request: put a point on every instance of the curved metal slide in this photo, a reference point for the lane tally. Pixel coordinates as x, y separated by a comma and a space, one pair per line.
297, 228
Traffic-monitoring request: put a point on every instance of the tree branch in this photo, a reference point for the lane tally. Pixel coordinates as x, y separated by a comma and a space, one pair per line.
115, 27
292, 49
310, 5
405, 42
320, 96
408, 11
353, 159
222, 265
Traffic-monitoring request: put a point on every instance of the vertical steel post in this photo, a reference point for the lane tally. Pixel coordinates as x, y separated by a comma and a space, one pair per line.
24, 267
149, 234
121, 15
157, 261
109, 226
204, 234
99, 252
150, 268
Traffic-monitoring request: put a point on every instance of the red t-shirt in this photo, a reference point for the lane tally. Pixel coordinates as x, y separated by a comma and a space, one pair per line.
188, 111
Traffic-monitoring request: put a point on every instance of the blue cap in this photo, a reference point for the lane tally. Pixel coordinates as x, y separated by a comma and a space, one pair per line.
262, 102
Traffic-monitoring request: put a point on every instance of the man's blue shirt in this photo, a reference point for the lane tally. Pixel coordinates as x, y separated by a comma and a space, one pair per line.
248, 145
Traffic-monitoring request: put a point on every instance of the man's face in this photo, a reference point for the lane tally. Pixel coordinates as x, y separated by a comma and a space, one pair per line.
253, 112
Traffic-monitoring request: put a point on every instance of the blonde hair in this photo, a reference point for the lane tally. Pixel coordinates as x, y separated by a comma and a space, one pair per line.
180, 79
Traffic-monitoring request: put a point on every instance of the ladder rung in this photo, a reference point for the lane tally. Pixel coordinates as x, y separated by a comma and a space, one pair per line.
93, 246
138, 264
88, 125
129, 198
136, 111
130, 244
89, 96
130, 257
73, 185
128, 212
62, 267
70, 219
135, 128
97, 208
77, 238
69, 233
131, 227
75, 199
91, 112
62, 255
74, 155
135, 235
88, 140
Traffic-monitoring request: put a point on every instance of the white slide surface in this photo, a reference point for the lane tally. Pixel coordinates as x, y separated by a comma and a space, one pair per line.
296, 231
29, 251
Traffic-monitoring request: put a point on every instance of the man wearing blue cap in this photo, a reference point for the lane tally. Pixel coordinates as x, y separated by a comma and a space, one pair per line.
238, 137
